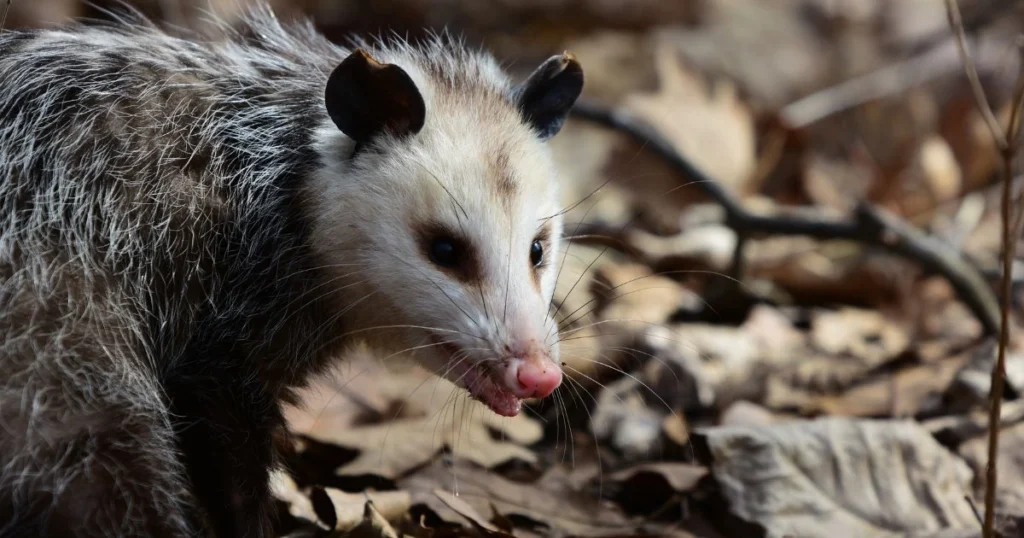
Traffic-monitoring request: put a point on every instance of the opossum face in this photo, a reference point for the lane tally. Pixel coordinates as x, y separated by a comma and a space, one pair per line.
443, 217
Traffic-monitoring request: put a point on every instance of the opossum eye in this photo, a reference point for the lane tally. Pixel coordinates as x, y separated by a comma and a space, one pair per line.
536, 253
448, 250
444, 252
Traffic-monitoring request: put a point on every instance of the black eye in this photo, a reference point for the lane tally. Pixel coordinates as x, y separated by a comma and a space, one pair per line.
444, 252
536, 253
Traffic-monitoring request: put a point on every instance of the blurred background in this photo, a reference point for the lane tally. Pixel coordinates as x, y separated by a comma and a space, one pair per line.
716, 373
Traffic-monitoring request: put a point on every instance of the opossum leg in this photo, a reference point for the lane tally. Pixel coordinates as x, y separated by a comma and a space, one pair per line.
227, 435
83, 456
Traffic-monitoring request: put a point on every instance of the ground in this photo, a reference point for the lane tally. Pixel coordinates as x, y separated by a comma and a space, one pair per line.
779, 301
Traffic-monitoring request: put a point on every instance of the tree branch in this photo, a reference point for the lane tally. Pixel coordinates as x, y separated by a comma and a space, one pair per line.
870, 225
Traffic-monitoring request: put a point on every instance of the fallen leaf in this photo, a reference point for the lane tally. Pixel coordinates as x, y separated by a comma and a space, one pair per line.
549, 503
284, 489
633, 297
345, 511
332, 509
1010, 477
909, 391
835, 184
710, 246
853, 342
436, 413
973, 382
839, 477
744, 413
624, 419
584, 341
714, 365
936, 163
651, 488
953, 430
374, 524
711, 126
467, 511
764, 46
680, 477
618, 63
864, 334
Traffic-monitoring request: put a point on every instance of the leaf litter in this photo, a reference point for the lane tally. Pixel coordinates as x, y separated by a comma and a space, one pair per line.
819, 388
828, 389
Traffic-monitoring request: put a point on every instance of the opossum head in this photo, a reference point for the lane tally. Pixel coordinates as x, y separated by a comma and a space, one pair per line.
438, 214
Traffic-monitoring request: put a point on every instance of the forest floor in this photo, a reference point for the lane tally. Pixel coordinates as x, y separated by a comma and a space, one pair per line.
778, 301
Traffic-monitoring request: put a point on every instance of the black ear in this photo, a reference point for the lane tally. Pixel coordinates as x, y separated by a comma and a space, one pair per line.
365, 97
546, 96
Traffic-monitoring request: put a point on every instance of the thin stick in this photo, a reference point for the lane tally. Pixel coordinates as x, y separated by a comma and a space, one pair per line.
1009, 253
957, 24
1006, 141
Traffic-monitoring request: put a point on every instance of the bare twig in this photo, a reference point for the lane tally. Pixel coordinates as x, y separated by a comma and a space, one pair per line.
888, 80
957, 24
870, 225
974, 508
925, 61
1006, 141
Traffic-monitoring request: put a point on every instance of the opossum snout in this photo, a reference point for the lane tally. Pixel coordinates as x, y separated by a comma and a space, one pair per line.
531, 378
530, 374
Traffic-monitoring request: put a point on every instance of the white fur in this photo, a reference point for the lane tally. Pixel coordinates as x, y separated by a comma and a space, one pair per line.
445, 174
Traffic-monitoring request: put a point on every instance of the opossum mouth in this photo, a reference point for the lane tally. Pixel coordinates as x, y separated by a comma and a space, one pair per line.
481, 382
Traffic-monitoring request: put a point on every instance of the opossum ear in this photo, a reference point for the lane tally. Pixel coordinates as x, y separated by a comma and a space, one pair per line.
365, 97
545, 98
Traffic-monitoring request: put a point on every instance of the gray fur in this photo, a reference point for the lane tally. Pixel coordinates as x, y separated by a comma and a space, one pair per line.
152, 243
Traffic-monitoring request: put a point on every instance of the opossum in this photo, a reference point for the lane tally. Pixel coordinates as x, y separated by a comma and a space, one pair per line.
191, 227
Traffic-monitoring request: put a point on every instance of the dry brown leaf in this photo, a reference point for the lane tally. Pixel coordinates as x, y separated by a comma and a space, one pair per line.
333, 509
744, 413
717, 364
625, 419
864, 334
973, 382
835, 184
850, 343
436, 414
374, 525
681, 477
836, 272
584, 344
582, 152
904, 393
651, 488
633, 297
354, 509
551, 502
710, 246
840, 477
936, 163
712, 127
618, 63
1010, 480
766, 46
374, 509
467, 511
284, 489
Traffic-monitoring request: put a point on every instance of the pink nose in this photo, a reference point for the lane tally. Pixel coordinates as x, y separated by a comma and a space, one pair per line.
535, 379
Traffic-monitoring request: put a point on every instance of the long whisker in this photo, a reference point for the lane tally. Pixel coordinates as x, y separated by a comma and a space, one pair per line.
636, 279
668, 407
